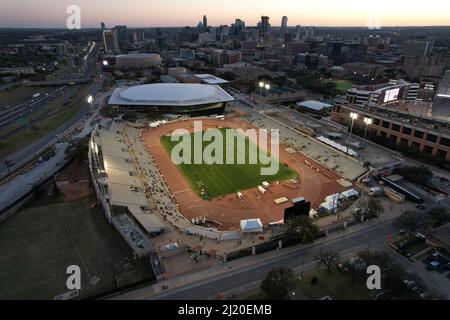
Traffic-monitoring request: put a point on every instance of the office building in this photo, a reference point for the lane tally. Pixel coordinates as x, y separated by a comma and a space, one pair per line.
441, 103
283, 28
110, 42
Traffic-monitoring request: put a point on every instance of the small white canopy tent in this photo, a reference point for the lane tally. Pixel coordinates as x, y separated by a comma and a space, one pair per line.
329, 207
351, 194
251, 226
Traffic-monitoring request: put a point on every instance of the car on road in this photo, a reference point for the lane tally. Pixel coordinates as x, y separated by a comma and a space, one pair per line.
342, 268
406, 253
421, 207
433, 265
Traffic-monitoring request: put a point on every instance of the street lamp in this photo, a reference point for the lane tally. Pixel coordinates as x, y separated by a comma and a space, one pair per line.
368, 122
267, 86
261, 85
90, 99
353, 116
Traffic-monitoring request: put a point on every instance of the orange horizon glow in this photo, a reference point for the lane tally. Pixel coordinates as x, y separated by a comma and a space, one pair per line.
177, 13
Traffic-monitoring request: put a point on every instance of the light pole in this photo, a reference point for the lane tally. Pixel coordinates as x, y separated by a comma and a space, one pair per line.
90, 100
267, 86
353, 116
261, 86
368, 122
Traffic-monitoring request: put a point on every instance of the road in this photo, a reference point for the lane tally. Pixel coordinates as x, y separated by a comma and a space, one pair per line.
25, 155
373, 237
19, 111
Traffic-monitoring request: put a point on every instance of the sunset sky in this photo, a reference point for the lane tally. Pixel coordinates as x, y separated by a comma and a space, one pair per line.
150, 13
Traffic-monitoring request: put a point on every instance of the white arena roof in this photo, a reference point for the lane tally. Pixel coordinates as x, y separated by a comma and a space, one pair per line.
170, 94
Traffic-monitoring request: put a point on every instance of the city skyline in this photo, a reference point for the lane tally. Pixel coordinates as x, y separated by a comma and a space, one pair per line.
173, 13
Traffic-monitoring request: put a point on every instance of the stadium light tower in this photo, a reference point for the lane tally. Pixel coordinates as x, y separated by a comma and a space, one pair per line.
267, 86
353, 116
261, 85
90, 100
368, 122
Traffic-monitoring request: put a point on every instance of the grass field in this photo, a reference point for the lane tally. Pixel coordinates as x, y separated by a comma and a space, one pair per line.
338, 285
39, 242
210, 181
342, 85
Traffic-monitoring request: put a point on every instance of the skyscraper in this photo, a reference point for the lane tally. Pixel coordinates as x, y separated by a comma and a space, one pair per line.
103, 26
237, 28
441, 103
110, 41
205, 22
283, 28
264, 26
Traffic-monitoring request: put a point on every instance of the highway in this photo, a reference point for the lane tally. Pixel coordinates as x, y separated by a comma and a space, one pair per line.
22, 157
19, 111
373, 238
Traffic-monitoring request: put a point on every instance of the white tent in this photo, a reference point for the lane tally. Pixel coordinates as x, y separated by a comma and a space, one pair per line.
351, 194
329, 207
334, 197
251, 226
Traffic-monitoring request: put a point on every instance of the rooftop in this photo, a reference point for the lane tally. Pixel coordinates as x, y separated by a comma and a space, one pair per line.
170, 94
210, 79
314, 105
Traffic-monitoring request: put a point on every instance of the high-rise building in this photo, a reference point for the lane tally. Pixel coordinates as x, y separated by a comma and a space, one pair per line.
310, 33
103, 26
237, 28
418, 47
283, 29
205, 22
122, 36
264, 26
441, 103
110, 42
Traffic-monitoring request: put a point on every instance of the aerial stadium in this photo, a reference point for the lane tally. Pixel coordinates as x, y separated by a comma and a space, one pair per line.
171, 98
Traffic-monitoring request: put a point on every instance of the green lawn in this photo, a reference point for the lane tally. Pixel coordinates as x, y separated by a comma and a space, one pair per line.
342, 85
210, 181
338, 285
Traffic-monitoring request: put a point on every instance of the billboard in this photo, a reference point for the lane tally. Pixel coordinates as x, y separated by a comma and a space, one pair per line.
391, 95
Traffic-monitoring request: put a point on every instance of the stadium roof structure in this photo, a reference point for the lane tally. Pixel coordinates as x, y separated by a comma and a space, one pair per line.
314, 105
210, 79
170, 94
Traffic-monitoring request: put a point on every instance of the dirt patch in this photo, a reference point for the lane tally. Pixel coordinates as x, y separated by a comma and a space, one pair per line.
75, 191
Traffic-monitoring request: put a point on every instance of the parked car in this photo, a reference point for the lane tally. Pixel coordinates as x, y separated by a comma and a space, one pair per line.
406, 253
434, 255
421, 207
433, 265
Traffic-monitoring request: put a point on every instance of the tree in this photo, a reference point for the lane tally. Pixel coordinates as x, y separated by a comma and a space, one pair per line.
78, 149
438, 216
278, 283
370, 209
327, 258
303, 229
421, 174
413, 221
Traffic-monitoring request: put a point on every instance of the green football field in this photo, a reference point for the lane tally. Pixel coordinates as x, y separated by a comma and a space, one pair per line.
210, 181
